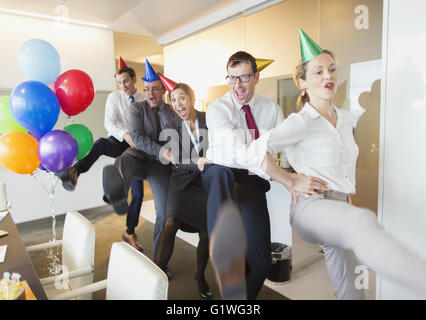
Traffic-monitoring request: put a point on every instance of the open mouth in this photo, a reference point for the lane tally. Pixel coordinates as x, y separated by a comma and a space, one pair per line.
240, 94
182, 112
329, 86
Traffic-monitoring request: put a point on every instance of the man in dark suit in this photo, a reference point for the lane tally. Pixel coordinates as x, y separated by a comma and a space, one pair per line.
145, 121
117, 105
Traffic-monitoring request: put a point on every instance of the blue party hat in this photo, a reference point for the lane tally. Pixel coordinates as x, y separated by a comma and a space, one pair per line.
150, 74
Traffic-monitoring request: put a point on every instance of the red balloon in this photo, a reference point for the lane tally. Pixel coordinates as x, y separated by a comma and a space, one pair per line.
75, 91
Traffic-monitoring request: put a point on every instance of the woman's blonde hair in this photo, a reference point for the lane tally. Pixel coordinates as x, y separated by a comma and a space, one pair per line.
300, 73
188, 90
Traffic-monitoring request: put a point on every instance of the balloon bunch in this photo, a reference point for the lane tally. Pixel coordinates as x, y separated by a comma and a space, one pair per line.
29, 114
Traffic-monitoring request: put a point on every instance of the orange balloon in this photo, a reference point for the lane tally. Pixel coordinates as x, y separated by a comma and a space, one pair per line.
18, 152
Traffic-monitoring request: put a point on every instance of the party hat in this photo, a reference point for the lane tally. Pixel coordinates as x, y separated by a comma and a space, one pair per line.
122, 63
150, 74
263, 63
168, 84
308, 48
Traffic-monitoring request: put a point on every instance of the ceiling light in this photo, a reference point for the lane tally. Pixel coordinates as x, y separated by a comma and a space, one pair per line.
54, 18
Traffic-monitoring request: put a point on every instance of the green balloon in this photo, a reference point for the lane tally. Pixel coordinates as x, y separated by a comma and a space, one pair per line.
7, 121
83, 136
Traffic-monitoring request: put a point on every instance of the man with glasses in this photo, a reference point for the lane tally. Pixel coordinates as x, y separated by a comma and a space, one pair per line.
118, 140
231, 173
146, 119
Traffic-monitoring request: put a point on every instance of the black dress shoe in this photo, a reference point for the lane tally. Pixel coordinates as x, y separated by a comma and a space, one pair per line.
203, 289
113, 188
69, 178
105, 199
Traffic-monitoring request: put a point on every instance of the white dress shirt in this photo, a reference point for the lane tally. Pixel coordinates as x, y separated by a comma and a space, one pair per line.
229, 137
195, 142
116, 107
314, 147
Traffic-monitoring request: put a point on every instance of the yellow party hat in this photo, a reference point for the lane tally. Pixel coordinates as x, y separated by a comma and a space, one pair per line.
263, 63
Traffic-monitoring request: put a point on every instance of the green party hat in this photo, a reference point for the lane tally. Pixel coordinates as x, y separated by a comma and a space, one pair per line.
308, 48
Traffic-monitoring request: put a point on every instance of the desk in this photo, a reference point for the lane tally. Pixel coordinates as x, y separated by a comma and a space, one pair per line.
17, 258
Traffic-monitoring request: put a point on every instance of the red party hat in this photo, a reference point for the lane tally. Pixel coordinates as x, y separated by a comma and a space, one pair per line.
168, 84
122, 63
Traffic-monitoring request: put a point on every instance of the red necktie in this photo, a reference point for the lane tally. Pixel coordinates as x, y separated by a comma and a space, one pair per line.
251, 124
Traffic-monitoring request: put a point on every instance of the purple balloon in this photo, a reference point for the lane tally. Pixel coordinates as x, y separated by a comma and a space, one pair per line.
57, 150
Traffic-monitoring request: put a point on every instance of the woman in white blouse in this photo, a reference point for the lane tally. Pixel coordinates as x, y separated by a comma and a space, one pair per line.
318, 141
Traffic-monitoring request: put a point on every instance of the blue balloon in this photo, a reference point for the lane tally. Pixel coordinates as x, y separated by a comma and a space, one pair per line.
34, 106
39, 61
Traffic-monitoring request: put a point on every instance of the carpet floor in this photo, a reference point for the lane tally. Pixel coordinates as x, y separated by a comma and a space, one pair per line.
109, 228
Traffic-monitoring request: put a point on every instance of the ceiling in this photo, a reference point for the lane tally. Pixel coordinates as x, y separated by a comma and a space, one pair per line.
140, 17
142, 27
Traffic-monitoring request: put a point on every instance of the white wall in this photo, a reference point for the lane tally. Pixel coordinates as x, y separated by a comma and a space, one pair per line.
86, 48
79, 47
31, 202
271, 33
402, 209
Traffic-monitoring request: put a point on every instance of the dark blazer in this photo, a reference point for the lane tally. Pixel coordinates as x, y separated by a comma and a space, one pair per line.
187, 168
143, 129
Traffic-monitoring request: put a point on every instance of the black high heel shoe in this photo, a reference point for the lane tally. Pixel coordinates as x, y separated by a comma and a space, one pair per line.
203, 289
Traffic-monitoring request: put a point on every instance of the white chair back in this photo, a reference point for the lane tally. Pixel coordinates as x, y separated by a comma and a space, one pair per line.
133, 276
78, 248
78, 242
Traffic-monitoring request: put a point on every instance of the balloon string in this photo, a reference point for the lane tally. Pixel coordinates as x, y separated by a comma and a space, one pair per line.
52, 253
50, 189
52, 186
70, 119
54, 266
35, 176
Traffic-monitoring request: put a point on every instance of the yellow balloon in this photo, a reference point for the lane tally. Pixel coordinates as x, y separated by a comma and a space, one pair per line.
18, 152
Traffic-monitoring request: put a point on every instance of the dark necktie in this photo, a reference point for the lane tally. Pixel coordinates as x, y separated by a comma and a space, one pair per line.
132, 99
157, 119
251, 124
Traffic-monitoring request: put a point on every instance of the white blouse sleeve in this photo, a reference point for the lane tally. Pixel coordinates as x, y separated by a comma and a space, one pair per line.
289, 132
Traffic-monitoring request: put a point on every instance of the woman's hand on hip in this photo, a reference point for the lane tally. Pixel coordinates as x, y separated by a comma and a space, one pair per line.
306, 184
